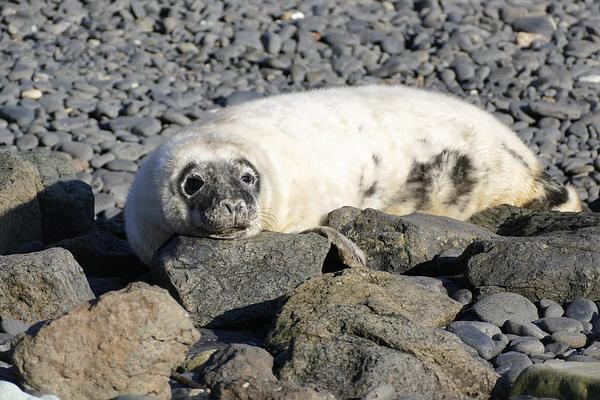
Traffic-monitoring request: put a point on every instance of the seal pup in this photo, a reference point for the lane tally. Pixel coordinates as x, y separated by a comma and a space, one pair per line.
284, 162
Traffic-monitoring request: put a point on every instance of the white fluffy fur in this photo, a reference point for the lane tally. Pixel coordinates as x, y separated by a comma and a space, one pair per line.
312, 148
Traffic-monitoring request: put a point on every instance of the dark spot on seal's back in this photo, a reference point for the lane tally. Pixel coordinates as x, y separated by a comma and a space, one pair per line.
462, 178
515, 155
419, 183
376, 159
419, 180
371, 190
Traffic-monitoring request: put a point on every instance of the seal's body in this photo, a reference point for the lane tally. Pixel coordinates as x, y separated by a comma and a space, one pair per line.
282, 163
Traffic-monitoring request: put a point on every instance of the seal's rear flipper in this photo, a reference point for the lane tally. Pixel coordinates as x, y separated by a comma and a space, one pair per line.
554, 196
349, 253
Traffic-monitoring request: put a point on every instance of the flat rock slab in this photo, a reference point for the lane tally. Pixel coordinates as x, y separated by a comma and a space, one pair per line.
42, 285
350, 332
399, 244
228, 282
20, 215
126, 342
507, 220
560, 266
571, 380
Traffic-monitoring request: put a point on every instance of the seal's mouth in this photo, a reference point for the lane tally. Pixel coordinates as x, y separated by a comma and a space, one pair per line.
230, 233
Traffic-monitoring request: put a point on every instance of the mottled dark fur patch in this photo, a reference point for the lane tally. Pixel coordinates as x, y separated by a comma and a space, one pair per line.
371, 190
515, 155
462, 178
554, 194
376, 159
419, 183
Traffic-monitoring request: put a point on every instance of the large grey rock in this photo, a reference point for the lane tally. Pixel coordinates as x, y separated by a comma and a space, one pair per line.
352, 331
560, 266
41, 285
399, 244
507, 220
226, 282
20, 216
66, 203
567, 380
126, 342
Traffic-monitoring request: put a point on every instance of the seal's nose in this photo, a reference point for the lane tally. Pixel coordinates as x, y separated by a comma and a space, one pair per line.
235, 208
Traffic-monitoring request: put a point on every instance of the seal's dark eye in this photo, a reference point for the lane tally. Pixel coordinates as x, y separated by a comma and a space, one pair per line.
192, 185
248, 179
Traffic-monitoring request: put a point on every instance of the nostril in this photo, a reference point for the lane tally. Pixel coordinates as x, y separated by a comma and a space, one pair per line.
240, 206
192, 185
228, 206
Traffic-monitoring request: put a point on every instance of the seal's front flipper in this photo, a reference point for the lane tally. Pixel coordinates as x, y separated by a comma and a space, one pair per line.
348, 252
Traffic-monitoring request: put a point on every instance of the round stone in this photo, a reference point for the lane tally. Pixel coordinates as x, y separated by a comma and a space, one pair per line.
526, 345
559, 324
475, 338
582, 310
33, 94
80, 151
463, 296
550, 308
497, 308
574, 340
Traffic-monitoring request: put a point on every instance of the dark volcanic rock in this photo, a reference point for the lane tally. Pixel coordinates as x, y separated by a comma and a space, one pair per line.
223, 282
351, 331
560, 266
401, 244
104, 255
513, 221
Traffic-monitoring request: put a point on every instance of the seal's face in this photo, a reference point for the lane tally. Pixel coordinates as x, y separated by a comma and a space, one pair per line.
217, 198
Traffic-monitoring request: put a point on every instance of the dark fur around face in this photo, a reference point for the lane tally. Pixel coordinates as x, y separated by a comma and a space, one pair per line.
554, 194
221, 196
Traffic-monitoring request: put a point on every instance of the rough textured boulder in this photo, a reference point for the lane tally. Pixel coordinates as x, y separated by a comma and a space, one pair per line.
251, 389
399, 244
356, 330
102, 254
228, 282
560, 266
237, 361
126, 342
513, 221
240, 371
20, 216
41, 285
562, 380
66, 203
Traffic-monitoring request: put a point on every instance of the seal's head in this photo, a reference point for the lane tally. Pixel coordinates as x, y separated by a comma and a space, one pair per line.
194, 186
215, 197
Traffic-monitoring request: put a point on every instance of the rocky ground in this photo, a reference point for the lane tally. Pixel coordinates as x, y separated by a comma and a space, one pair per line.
503, 305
